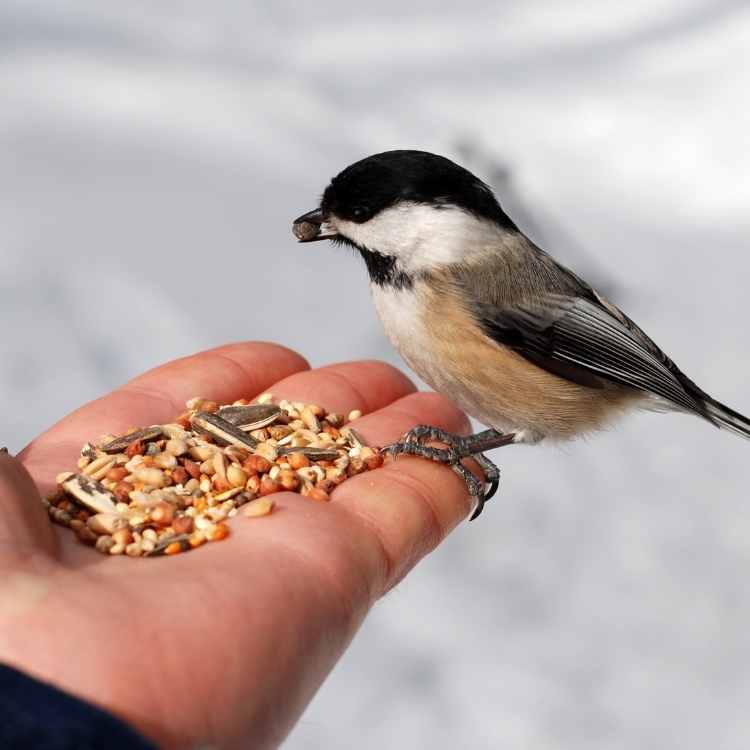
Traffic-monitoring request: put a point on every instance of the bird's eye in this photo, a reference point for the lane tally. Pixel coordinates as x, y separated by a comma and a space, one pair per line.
360, 214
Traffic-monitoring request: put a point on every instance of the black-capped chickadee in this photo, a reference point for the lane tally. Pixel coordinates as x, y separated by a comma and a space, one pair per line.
490, 320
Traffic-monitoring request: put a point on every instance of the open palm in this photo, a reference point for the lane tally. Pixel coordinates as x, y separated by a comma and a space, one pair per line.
227, 644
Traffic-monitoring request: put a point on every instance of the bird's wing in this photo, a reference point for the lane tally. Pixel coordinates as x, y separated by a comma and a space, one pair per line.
585, 338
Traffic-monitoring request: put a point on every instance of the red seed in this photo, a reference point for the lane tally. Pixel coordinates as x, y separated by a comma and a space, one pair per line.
221, 531
298, 460
117, 473
183, 525
220, 484
136, 448
163, 514
268, 486
256, 464
192, 468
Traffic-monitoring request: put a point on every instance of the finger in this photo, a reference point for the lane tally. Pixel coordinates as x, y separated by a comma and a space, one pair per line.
366, 385
409, 505
24, 527
223, 374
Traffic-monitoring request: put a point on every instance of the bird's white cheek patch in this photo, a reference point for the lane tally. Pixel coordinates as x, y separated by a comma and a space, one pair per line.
422, 236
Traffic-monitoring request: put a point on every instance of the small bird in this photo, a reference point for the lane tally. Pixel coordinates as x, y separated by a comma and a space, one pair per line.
488, 319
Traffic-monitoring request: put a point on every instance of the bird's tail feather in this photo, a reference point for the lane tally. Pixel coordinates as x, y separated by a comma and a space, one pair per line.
727, 418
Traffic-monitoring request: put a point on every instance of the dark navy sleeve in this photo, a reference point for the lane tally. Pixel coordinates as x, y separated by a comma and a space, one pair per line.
37, 716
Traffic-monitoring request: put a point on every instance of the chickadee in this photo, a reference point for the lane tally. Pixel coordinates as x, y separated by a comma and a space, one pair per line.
490, 320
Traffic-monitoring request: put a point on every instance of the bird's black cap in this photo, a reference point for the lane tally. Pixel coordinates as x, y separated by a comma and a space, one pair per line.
368, 186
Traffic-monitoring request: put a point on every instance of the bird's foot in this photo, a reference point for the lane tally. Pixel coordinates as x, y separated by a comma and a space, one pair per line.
458, 447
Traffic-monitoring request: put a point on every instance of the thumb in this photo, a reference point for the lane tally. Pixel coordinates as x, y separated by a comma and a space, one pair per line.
24, 527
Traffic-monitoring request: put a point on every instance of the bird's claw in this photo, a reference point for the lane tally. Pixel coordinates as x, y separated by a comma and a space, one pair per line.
457, 448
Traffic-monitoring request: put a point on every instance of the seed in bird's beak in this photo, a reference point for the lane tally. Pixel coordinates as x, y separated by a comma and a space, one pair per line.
309, 227
304, 231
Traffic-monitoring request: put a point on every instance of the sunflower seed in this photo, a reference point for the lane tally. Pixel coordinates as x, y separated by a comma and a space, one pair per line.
90, 493
314, 454
118, 445
224, 432
305, 230
250, 417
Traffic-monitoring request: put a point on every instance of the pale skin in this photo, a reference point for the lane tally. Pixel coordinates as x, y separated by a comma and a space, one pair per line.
225, 645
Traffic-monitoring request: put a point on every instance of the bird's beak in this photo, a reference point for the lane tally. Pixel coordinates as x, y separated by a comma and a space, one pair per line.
317, 219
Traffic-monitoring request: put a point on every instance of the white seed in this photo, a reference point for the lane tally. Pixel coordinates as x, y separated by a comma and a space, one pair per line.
147, 545
202, 452
165, 461
354, 414
267, 451
107, 523
175, 431
207, 468
150, 477
310, 420
217, 514
191, 485
150, 534
228, 494
220, 465
205, 484
265, 398
134, 463
134, 549
260, 507
236, 476
83, 462
176, 446
117, 549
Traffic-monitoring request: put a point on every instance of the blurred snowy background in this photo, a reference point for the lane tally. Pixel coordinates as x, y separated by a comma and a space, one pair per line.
148, 146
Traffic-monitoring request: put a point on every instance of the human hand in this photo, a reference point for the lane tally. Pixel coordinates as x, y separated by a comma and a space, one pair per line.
225, 645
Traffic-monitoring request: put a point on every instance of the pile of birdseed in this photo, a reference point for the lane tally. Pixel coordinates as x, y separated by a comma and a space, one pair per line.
169, 488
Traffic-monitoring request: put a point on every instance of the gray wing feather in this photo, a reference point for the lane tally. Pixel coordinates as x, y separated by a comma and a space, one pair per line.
577, 337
